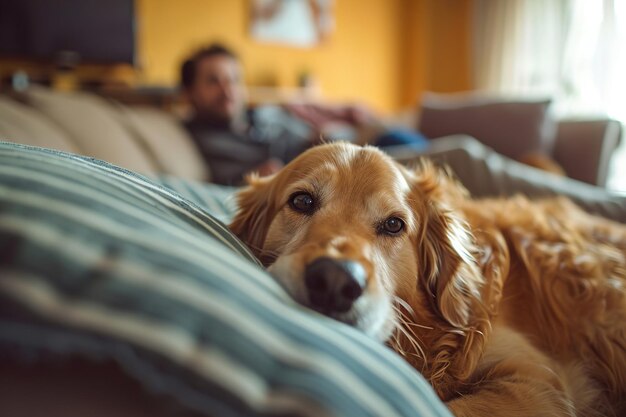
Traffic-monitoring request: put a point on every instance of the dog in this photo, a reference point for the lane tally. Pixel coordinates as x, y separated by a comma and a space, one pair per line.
508, 307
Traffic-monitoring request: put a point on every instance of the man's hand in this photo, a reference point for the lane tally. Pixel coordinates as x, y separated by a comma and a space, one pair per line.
318, 115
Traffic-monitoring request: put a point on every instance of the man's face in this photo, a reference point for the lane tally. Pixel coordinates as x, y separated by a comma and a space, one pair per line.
218, 92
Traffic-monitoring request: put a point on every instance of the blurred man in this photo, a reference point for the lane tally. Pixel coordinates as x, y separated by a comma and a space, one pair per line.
235, 139
221, 125
213, 82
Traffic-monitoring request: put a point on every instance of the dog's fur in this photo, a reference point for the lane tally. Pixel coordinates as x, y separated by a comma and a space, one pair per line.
508, 307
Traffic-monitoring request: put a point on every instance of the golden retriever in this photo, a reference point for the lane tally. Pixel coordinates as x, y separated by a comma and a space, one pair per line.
509, 307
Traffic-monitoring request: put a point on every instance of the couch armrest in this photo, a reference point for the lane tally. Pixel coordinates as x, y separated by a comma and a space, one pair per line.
584, 148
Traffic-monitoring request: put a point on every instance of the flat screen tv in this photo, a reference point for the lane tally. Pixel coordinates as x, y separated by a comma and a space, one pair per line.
92, 31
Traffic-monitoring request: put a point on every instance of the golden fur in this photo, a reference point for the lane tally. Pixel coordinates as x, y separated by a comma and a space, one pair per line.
508, 307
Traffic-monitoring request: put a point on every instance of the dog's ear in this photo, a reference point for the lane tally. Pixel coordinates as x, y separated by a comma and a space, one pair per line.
447, 268
449, 277
257, 208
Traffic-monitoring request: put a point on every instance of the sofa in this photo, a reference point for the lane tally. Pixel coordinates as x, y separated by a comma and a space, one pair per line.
143, 139
151, 141
527, 131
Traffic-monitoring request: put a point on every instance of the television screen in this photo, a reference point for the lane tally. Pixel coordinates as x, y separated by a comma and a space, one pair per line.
97, 31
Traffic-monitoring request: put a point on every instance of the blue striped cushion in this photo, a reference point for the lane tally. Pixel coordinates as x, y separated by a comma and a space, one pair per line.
218, 200
96, 261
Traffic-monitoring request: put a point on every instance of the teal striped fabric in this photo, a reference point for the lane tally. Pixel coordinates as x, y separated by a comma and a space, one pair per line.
217, 200
99, 262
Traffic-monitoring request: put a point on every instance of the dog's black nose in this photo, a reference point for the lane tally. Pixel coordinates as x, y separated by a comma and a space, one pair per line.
334, 284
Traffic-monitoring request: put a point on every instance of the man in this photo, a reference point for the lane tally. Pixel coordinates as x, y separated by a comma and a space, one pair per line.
225, 132
236, 140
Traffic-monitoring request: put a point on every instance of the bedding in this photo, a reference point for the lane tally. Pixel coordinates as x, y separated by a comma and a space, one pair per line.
97, 262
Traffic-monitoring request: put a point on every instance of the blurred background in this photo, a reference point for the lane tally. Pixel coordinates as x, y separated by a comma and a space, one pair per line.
386, 54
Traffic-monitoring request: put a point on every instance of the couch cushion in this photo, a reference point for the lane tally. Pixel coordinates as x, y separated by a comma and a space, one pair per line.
92, 125
23, 124
512, 128
102, 264
168, 142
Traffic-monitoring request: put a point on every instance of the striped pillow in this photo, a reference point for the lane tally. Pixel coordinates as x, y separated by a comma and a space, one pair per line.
96, 261
218, 200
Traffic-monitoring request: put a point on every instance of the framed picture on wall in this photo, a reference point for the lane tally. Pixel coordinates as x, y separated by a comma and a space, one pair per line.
299, 23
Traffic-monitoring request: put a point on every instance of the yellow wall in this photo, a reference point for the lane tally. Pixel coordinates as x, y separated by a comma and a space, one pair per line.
359, 61
382, 52
437, 41
450, 45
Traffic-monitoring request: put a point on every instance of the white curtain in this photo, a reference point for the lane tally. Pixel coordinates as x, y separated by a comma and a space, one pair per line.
571, 50
514, 44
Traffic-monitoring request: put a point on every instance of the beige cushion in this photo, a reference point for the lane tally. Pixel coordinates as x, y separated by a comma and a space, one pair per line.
511, 127
168, 142
22, 124
92, 124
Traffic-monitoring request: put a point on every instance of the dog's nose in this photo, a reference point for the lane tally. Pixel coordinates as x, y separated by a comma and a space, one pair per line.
334, 284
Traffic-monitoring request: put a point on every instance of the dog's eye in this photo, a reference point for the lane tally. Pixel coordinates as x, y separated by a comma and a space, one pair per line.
393, 226
302, 202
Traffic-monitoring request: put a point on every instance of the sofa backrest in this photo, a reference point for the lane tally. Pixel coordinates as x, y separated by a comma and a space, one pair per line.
23, 124
520, 127
92, 125
511, 127
166, 140
584, 148
142, 139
